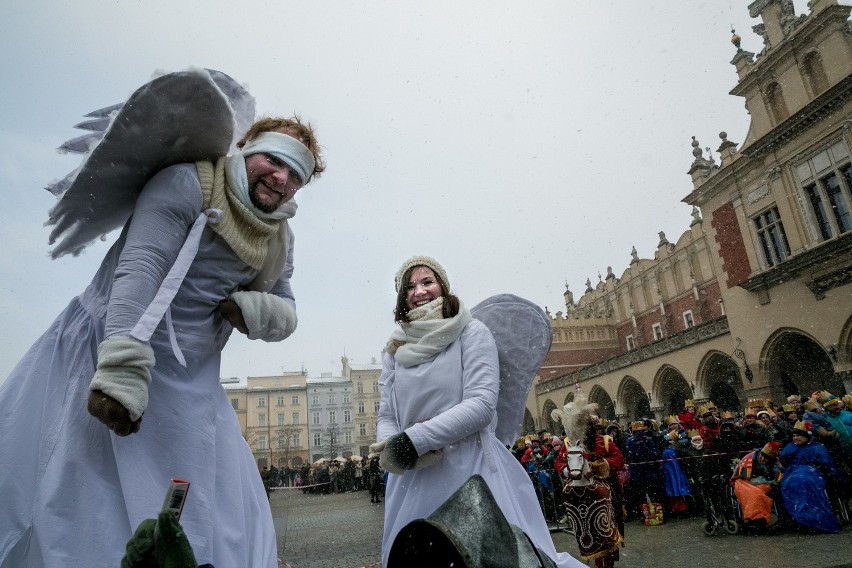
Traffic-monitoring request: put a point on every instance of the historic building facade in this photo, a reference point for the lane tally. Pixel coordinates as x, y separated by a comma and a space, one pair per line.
754, 300
273, 416
366, 396
331, 425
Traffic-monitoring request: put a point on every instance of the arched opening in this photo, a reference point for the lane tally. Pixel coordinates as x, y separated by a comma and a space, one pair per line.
633, 399
722, 381
672, 390
606, 408
528, 425
568, 398
814, 73
775, 103
547, 421
796, 364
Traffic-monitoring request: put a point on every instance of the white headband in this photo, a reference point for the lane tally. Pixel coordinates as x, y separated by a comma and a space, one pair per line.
285, 148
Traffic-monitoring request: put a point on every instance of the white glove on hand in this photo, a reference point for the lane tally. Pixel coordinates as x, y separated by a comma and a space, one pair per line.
378, 446
124, 372
429, 458
267, 316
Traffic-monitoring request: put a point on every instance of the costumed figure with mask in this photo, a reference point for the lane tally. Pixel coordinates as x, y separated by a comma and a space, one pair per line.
205, 247
587, 463
441, 421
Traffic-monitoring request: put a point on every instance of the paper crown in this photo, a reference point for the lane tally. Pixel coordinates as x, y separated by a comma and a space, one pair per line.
825, 398
802, 426
727, 415
789, 408
794, 398
637, 425
771, 449
689, 403
693, 433
672, 419
704, 409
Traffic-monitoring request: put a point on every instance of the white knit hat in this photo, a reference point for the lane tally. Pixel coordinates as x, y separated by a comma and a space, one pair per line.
426, 261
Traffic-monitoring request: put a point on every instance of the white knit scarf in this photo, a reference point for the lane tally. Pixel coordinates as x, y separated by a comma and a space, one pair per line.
427, 334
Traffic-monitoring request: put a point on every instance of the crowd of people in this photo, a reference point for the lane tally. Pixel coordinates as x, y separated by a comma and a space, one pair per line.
340, 475
786, 466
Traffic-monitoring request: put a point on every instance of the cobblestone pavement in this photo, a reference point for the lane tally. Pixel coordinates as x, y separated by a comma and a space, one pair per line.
345, 531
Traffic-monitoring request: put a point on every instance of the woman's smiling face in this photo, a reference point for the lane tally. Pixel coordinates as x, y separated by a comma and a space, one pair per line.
422, 287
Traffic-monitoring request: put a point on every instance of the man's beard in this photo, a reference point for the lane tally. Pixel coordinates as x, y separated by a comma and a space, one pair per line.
265, 207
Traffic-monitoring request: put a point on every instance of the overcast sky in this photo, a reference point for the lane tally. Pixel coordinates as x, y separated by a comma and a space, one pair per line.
522, 144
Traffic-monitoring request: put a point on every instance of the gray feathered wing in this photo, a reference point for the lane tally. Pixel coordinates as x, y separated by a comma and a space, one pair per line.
179, 117
523, 336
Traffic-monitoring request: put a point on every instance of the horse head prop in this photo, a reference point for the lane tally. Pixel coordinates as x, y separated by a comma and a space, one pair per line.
577, 466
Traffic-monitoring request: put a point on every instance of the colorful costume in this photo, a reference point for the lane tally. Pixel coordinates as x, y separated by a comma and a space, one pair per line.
806, 471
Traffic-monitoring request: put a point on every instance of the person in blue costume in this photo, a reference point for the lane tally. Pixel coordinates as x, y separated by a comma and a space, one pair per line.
808, 469
675, 482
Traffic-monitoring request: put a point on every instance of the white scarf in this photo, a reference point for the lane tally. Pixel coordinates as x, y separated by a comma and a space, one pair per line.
427, 335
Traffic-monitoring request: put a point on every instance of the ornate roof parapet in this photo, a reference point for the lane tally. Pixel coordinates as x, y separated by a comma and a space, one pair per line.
701, 167
696, 216
727, 149
779, 20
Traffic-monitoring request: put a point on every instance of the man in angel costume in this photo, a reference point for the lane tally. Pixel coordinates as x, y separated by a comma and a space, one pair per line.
122, 392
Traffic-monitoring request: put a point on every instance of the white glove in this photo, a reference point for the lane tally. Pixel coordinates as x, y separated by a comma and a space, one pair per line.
429, 458
378, 446
267, 316
124, 372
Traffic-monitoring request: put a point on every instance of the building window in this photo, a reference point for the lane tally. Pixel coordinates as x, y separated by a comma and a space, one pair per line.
688, 321
332, 417
261, 401
630, 343
775, 103
315, 400
346, 398
282, 442
773, 239
295, 418
658, 331
281, 420
331, 398
261, 419
280, 400
261, 442
294, 399
375, 386
361, 407
316, 418
297, 441
826, 181
814, 72
347, 416
362, 429
235, 402
347, 437
360, 387
376, 406
317, 440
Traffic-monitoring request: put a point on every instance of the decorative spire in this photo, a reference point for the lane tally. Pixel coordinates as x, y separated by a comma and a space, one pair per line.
735, 39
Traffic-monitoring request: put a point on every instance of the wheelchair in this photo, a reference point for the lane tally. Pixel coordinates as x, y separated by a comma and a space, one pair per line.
718, 502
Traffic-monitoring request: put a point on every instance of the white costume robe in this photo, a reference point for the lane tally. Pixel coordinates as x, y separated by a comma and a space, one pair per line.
449, 404
73, 492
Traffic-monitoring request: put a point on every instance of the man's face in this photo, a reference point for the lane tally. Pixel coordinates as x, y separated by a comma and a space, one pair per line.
271, 181
834, 408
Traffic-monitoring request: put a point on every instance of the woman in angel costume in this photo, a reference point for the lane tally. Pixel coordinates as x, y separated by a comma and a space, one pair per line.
440, 420
205, 247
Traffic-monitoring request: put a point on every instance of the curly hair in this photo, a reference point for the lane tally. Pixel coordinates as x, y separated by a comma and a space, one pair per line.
300, 130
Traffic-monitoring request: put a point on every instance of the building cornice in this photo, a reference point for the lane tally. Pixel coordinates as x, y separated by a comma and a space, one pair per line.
686, 338
829, 274
818, 109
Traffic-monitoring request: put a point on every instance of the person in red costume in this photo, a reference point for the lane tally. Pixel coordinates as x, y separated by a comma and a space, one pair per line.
688, 418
